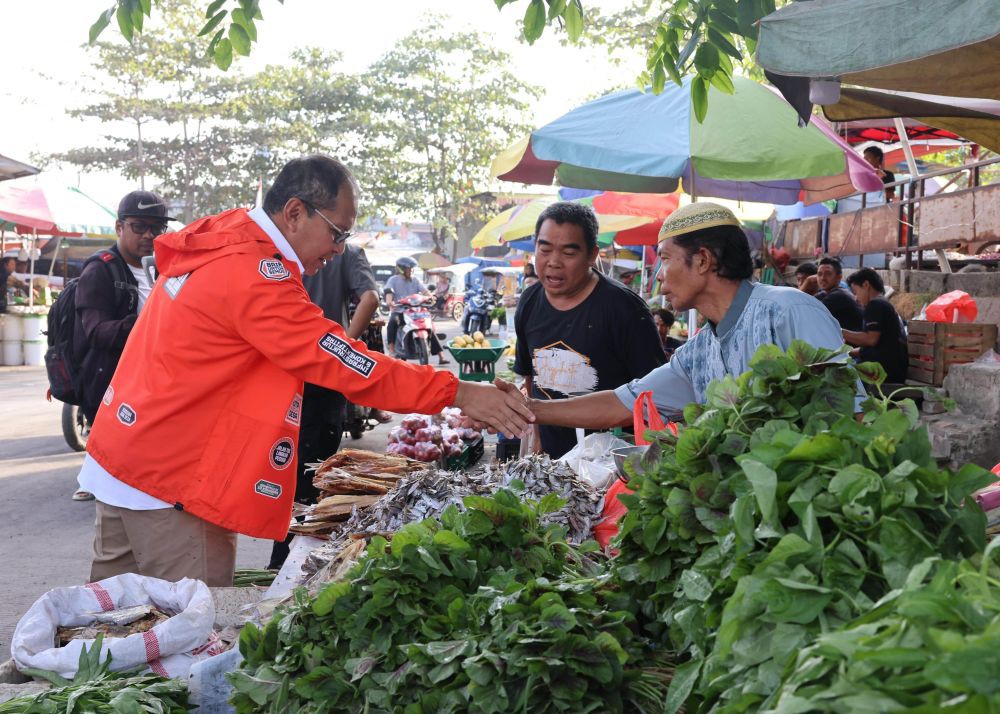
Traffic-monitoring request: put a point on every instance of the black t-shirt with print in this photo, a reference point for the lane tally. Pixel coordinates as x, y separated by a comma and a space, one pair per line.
602, 343
890, 350
843, 307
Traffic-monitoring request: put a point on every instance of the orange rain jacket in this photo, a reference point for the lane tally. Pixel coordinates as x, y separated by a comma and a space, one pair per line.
203, 411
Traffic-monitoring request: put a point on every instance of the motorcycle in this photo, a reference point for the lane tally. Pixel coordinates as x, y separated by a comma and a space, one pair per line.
479, 305
413, 338
358, 419
452, 309
383, 306
75, 427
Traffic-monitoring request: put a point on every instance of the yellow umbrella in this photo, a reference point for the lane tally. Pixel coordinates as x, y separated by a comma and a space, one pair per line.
427, 261
519, 222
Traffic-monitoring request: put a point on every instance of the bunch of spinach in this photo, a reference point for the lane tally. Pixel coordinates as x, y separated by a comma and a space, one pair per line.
486, 611
95, 689
932, 645
775, 515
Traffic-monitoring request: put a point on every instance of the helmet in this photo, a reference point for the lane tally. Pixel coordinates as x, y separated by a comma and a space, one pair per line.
406, 262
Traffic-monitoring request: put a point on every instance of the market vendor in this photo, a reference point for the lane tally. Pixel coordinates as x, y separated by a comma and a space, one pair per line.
706, 266
195, 440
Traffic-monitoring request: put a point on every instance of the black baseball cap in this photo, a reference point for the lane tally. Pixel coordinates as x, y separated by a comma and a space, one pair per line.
143, 204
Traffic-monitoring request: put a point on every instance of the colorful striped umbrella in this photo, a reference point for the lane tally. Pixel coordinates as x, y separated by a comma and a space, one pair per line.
519, 222
54, 210
749, 148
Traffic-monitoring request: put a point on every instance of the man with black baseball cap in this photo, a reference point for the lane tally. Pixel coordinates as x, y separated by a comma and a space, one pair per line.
143, 204
112, 289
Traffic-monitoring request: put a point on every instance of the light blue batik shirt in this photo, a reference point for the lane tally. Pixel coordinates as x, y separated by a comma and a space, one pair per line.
760, 315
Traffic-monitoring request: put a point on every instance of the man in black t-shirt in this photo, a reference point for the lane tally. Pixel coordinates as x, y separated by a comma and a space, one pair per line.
578, 331
875, 158
838, 301
883, 339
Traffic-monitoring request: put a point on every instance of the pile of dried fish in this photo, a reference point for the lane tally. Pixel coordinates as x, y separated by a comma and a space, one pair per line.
116, 623
426, 494
540, 477
349, 480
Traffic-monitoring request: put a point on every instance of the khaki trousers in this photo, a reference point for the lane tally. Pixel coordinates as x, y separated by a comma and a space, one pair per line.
165, 543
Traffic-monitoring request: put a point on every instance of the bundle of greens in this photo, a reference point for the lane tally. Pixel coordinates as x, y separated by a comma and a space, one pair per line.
248, 577
95, 689
484, 611
932, 645
775, 516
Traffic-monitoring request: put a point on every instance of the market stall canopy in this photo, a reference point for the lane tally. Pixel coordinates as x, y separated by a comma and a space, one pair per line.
941, 47
926, 116
54, 210
458, 270
11, 169
430, 260
748, 148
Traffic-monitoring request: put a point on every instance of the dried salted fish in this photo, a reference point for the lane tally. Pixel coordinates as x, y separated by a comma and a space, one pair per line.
426, 494
122, 616
147, 621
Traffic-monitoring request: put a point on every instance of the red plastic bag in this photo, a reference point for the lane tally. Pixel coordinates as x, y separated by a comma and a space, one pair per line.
614, 509
956, 306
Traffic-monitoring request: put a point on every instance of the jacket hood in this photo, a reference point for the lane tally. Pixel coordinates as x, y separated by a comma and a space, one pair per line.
209, 239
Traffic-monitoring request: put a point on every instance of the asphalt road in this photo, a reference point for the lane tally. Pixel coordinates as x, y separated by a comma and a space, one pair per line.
46, 538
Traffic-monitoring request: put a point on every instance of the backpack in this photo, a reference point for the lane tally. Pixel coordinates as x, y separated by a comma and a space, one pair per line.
63, 358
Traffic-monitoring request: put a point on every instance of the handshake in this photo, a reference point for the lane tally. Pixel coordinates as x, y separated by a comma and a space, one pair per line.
497, 407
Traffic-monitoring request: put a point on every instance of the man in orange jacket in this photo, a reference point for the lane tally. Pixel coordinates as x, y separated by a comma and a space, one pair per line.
195, 439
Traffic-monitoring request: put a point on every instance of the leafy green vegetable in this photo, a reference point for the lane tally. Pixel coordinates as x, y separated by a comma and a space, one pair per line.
95, 689
774, 516
778, 555
931, 645
486, 611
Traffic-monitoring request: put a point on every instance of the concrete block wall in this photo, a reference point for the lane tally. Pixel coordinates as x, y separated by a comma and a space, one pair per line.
975, 387
927, 281
970, 434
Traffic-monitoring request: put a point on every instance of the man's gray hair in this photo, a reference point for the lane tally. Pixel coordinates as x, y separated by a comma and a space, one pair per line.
315, 179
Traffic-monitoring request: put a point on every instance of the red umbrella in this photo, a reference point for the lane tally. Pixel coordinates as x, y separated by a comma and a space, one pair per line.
653, 205
657, 206
646, 234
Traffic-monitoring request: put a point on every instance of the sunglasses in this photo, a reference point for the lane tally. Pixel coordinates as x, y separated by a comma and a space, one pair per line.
140, 228
339, 235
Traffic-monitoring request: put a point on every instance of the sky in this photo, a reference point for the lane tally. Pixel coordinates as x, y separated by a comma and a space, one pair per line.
45, 68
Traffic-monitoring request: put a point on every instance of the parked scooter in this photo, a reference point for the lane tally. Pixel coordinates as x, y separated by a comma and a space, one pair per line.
413, 338
479, 305
75, 427
359, 419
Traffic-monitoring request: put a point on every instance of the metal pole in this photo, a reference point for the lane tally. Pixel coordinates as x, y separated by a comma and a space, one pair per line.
642, 272
31, 269
907, 149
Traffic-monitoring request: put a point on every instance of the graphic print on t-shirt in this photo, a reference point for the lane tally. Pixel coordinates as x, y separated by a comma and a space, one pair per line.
561, 369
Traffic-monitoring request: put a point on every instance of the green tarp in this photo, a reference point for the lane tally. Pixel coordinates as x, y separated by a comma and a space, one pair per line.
945, 47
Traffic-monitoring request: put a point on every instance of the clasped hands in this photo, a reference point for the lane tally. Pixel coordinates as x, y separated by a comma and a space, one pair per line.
500, 406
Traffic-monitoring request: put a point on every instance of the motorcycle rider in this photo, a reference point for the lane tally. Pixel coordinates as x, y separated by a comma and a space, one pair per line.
403, 285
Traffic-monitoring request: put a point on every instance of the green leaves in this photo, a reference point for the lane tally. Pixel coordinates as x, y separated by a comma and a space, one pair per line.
534, 20
477, 613
699, 97
931, 646
764, 482
781, 518
95, 689
239, 36
103, 20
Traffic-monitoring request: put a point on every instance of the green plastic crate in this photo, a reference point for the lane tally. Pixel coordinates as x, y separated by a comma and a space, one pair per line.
477, 364
470, 455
